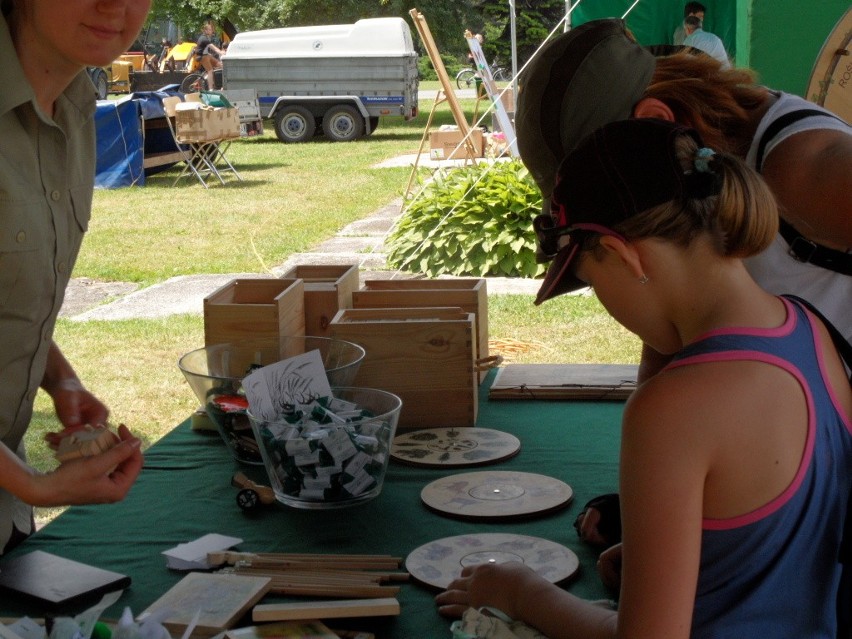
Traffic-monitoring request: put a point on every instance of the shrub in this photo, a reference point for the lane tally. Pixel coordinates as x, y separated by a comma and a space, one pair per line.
427, 72
473, 221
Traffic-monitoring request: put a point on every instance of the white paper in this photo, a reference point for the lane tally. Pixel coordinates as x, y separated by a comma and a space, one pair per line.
193, 555
274, 390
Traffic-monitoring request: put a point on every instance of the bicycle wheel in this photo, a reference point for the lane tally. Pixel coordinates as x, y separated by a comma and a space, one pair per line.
500, 74
465, 78
193, 83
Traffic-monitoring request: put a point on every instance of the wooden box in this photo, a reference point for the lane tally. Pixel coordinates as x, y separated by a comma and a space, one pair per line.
469, 294
328, 288
445, 145
255, 309
424, 355
207, 124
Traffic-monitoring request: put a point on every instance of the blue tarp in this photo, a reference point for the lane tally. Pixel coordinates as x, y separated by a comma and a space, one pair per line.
118, 124
127, 132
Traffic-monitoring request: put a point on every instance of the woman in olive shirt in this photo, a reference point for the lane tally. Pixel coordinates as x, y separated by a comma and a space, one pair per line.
47, 162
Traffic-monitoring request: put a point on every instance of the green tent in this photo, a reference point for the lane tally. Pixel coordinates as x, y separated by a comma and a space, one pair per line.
779, 39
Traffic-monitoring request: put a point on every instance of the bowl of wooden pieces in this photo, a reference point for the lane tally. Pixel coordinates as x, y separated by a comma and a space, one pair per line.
216, 373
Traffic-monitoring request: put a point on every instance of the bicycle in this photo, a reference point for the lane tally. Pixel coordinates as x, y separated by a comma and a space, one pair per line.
466, 78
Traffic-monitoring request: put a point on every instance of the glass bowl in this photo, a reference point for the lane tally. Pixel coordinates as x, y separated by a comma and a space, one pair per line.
215, 373
334, 457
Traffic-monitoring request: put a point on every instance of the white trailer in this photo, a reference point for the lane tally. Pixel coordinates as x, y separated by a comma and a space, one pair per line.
337, 79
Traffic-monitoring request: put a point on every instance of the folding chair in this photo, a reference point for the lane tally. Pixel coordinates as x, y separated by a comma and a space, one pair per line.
199, 157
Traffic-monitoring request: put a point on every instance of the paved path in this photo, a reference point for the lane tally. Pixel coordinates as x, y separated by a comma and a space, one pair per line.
358, 243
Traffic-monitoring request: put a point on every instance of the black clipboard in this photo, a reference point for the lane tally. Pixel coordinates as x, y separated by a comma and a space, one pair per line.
56, 582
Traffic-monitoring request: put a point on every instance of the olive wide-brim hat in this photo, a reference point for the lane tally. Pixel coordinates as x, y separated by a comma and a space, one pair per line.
590, 76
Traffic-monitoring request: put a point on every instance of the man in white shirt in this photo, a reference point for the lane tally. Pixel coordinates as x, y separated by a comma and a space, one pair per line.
700, 39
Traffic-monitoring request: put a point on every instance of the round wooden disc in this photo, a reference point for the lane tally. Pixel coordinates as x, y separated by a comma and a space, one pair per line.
441, 447
830, 84
439, 562
496, 494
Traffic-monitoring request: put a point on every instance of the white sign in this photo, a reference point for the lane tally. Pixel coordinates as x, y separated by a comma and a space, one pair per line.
484, 72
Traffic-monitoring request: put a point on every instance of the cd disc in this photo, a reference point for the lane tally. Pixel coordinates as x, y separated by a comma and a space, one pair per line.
439, 562
441, 447
496, 494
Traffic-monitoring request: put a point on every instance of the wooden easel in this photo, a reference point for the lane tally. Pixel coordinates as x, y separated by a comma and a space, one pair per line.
445, 94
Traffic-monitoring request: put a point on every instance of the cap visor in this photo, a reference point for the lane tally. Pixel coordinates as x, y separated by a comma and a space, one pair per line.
559, 278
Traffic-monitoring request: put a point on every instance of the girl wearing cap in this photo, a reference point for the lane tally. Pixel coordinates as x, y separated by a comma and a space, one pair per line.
736, 460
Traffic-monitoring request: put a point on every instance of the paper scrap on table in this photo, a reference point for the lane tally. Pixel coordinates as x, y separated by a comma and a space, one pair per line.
193, 555
275, 390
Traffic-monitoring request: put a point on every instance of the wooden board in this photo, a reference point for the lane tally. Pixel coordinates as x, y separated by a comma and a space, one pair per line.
564, 381
497, 494
439, 562
221, 598
327, 609
456, 447
831, 80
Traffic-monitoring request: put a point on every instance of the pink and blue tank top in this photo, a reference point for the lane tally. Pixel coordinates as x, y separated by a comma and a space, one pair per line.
774, 572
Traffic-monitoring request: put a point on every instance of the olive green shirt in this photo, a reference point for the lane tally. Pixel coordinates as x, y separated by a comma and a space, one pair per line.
47, 168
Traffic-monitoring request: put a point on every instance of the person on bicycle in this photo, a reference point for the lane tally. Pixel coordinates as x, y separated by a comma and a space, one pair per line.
208, 53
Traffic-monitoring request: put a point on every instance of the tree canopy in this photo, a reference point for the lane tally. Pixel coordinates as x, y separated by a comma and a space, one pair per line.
447, 19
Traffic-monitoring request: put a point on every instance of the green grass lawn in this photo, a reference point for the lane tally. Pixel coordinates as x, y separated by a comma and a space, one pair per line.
292, 198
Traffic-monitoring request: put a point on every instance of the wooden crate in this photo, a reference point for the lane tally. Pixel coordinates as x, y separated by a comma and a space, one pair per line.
469, 294
255, 309
328, 288
424, 355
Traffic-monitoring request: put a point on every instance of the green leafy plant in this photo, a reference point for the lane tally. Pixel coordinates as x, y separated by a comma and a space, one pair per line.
474, 221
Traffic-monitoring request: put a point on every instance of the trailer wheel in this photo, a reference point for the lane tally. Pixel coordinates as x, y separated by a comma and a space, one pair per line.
99, 79
342, 123
294, 124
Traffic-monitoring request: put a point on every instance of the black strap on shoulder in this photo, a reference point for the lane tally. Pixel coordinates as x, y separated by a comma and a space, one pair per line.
806, 250
782, 123
801, 248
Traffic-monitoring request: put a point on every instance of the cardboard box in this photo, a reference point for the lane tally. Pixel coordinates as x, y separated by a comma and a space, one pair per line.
254, 309
206, 124
469, 294
328, 289
443, 145
423, 355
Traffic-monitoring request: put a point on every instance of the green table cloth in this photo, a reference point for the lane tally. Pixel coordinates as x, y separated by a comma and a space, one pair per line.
184, 492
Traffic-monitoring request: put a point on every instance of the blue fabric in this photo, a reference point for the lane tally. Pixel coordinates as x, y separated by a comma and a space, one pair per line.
118, 125
777, 575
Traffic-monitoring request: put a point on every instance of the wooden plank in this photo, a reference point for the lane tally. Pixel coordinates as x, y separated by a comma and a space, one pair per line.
326, 609
160, 159
222, 600
565, 381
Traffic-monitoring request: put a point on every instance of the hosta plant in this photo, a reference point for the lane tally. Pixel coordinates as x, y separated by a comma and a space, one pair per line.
473, 221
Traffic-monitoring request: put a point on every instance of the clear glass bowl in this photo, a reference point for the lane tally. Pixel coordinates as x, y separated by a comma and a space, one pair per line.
331, 461
215, 373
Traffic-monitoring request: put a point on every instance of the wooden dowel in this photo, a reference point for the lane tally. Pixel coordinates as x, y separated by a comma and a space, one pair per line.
362, 592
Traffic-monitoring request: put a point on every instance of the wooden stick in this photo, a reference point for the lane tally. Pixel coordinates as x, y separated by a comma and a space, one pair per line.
363, 576
331, 590
349, 561
326, 609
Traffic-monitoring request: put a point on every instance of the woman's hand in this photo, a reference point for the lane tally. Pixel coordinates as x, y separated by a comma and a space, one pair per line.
102, 478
